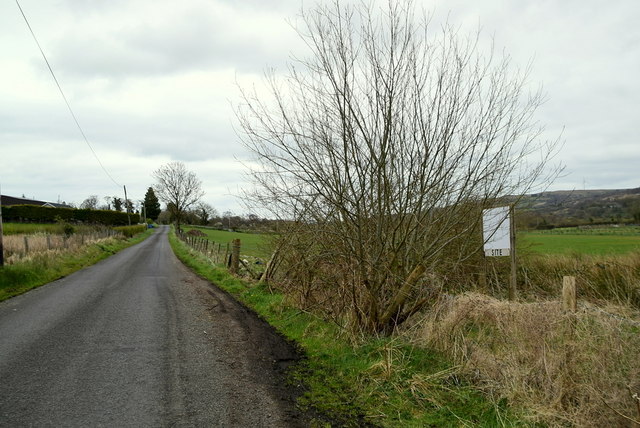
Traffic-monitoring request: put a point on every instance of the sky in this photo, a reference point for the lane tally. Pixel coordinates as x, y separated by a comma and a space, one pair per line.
155, 81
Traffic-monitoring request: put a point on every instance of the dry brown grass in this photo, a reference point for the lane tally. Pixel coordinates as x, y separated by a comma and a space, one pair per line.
565, 369
614, 278
16, 250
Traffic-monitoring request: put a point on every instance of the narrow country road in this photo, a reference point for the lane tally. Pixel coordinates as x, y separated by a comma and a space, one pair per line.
138, 340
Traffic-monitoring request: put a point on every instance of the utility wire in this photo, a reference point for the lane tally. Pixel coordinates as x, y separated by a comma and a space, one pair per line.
75, 119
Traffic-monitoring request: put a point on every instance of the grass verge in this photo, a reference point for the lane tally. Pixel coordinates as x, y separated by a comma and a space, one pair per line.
371, 381
43, 268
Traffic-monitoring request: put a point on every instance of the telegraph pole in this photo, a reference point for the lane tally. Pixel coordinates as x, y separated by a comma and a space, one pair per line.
126, 204
1, 233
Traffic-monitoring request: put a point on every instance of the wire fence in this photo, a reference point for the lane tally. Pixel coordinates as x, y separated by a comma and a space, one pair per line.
221, 253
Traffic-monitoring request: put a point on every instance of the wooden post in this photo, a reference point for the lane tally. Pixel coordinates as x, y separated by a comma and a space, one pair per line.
126, 205
26, 245
512, 242
235, 256
48, 241
1, 233
569, 298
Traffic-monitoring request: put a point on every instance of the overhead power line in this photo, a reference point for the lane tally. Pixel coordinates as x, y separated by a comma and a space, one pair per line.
75, 119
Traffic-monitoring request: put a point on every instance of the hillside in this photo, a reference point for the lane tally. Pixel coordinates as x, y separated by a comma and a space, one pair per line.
578, 207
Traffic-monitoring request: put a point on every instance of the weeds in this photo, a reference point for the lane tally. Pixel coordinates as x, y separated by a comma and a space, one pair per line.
19, 247
600, 279
130, 231
567, 371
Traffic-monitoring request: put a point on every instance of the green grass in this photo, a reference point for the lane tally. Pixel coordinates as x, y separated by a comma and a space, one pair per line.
43, 268
251, 244
380, 381
130, 231
33, 228
601, 241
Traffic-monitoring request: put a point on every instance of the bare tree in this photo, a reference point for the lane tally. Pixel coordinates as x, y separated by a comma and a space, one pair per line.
204, 212
107, 200
227, 215
90, 203
178, 188
383, 147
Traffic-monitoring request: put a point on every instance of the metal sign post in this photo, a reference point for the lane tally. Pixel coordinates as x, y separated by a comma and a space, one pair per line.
499, 233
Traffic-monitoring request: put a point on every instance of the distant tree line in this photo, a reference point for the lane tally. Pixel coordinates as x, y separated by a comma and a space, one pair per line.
149, 207
204, 214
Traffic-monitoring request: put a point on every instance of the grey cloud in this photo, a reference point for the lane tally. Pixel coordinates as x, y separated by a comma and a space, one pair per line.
194, 40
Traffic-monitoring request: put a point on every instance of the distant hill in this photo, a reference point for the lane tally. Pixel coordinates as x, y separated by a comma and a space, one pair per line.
579, 207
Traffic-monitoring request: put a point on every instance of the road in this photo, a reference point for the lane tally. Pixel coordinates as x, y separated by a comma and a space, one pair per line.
139, 340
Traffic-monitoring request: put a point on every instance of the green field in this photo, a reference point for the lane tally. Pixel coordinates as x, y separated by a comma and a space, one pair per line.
596, 241
251, 244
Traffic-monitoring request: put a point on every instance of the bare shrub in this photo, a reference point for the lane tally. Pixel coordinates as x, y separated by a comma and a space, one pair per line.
386, 144
565, 369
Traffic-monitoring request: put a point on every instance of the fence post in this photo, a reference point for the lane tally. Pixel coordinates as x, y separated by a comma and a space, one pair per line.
26, 245
48, 241
235, 256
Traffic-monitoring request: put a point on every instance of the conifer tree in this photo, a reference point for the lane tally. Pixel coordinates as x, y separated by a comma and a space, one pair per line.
151, 204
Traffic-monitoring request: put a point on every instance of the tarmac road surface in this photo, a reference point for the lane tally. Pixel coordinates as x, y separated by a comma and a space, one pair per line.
139, 340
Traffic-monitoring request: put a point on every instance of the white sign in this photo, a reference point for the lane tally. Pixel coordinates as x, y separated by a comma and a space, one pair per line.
496, 232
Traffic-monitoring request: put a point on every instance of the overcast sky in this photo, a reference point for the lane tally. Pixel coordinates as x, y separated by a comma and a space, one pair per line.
153, 81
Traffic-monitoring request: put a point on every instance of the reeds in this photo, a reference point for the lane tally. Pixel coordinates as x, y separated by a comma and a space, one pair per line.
612, 278
566, 369
18, 247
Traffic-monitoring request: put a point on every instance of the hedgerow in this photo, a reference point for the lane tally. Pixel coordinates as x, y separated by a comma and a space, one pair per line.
38, 214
